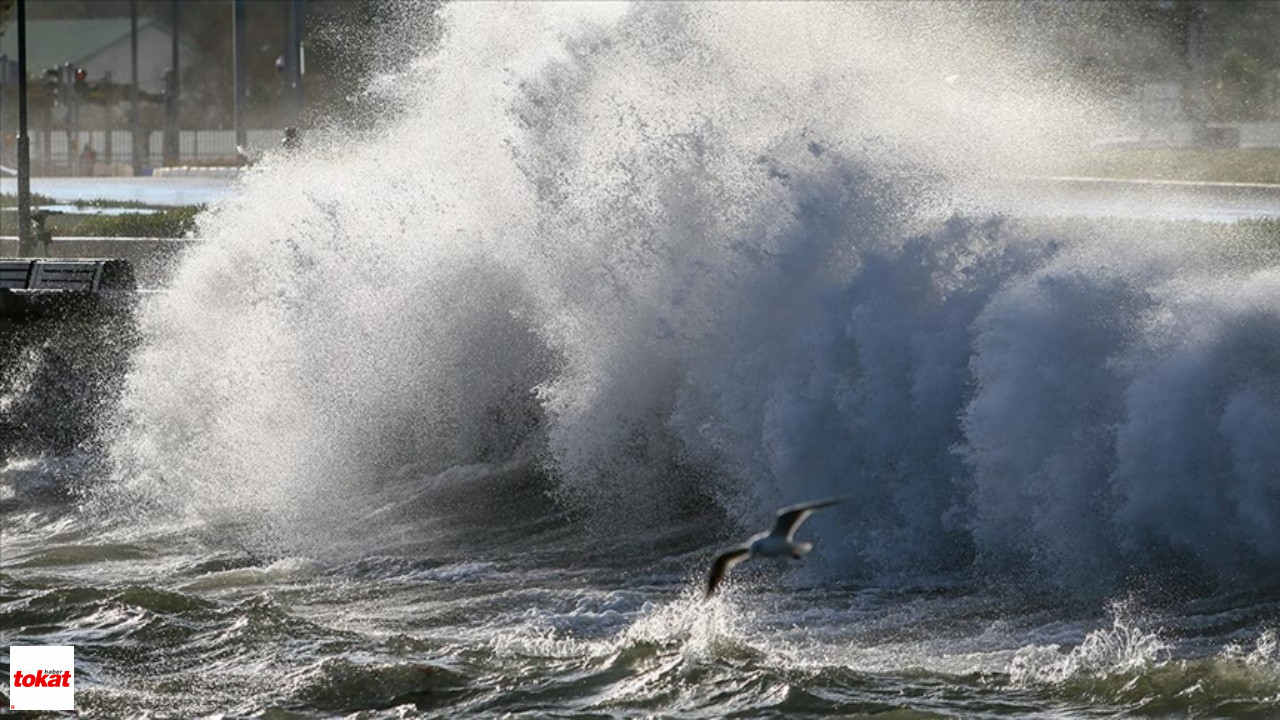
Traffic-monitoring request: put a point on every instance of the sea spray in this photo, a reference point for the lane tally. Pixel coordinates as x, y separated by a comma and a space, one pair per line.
708, 252
1127, 648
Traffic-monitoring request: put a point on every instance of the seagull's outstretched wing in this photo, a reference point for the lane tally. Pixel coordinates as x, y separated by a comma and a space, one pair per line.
724, 562
789, 518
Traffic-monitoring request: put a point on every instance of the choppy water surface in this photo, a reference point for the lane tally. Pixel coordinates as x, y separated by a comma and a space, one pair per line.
448, 416
540, 618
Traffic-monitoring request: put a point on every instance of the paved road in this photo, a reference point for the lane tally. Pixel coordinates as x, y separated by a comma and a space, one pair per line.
1044, 197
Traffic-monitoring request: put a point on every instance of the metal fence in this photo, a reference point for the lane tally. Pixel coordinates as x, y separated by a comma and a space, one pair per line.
58, 152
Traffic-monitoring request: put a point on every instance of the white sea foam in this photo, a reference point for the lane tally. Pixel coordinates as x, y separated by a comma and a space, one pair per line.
1125, 648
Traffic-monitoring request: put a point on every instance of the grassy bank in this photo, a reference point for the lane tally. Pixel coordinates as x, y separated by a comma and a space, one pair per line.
1246, 244
1264, 233
1254, 165
149, 221
167, 223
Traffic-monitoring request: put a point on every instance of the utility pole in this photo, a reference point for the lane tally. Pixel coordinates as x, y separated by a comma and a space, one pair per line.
237, 52
68, 91
293, 64
172, 138
108, 145
25, 242
135, 116
4, 85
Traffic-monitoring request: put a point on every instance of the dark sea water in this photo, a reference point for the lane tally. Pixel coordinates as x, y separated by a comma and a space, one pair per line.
541, 618
447, 415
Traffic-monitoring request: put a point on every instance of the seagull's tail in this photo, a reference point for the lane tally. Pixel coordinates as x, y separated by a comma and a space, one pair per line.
799, 550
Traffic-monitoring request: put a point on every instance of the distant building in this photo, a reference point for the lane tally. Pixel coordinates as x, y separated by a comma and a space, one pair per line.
101, 47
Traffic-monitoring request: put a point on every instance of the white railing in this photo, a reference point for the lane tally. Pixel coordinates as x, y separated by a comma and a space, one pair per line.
57, 148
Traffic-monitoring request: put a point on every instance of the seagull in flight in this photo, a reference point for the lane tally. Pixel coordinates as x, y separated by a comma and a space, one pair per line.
775, 543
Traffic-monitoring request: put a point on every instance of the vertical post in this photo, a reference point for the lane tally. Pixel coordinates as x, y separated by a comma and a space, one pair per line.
67, 90
135, 116
46, 142
293, 64
172, 137
25, 242
107, 147
299, 60
4, 87
237, 52
1198, 58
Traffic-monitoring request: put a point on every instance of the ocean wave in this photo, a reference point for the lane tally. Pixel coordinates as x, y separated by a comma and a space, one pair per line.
704, 281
